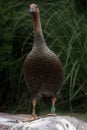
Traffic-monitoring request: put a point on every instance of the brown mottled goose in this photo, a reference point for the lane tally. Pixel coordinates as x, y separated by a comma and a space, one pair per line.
43, 71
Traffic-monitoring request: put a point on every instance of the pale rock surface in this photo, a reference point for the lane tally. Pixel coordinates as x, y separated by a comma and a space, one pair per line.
16, 122
52, 123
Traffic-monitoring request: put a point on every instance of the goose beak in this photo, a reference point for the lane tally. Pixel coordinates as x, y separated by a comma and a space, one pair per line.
32, 10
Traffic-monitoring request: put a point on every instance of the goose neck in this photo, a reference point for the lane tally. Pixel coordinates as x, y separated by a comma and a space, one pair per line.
37, 24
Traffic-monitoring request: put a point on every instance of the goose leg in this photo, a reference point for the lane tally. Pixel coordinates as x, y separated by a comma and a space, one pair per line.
34, 102
33, 117
53, 107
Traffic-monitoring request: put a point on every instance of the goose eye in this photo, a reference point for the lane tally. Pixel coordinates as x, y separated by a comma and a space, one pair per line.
37, 6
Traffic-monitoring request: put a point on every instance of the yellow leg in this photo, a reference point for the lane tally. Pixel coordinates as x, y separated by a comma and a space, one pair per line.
34, 102
53, 107
33, 117
53, 101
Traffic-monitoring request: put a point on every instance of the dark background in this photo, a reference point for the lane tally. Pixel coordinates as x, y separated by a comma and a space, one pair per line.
64, 25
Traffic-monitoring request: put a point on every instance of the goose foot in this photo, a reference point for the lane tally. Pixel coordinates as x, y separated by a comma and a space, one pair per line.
34, 117
52, 114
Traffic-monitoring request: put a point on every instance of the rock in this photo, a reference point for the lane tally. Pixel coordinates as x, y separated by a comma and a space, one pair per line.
52, 123
7, 121
17, 122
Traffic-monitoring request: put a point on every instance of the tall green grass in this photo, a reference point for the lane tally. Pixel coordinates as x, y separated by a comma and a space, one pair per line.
65, 33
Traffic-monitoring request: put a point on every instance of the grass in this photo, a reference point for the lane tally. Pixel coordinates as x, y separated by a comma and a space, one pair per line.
65, 33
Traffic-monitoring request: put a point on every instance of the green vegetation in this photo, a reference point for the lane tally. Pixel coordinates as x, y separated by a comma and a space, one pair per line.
65, 32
